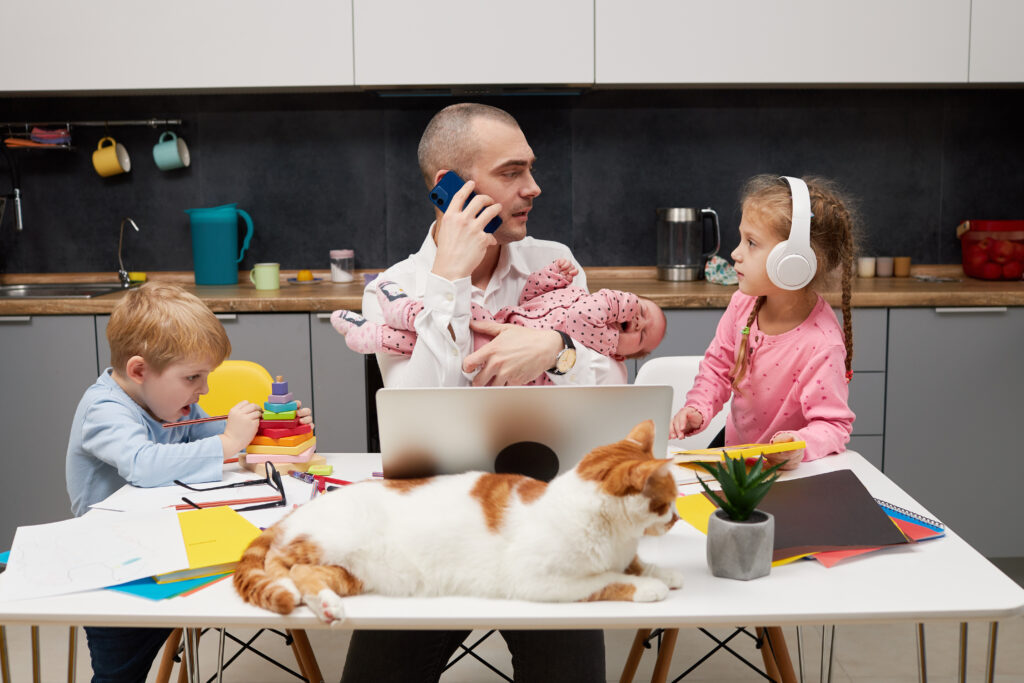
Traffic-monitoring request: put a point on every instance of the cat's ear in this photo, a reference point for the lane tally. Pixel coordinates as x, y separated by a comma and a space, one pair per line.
643, 435
641, 472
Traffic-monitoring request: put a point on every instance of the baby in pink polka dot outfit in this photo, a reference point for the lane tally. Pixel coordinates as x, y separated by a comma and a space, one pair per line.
614, 323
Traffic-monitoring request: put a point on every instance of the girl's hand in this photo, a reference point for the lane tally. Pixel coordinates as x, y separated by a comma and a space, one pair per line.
687, 421
305, 415
790, 458
243, 421
566, 268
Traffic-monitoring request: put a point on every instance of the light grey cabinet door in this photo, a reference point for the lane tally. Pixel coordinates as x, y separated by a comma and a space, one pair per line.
953, 417
48, 363
277, 341
338, 389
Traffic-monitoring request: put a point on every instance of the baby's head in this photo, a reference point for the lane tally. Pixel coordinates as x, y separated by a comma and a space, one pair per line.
164, 341
644, 332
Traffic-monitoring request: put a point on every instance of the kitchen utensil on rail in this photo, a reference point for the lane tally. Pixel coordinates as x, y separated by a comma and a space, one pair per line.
215, 252
682, 247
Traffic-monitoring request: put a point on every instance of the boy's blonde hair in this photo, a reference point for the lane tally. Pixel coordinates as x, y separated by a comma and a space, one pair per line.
163, 323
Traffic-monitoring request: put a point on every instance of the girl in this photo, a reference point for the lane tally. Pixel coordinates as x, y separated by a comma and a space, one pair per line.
779, 349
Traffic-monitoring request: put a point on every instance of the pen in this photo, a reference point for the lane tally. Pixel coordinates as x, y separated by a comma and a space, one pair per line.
196, 421
302, 476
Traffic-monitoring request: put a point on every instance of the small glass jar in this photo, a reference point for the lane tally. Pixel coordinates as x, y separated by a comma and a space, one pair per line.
343, 263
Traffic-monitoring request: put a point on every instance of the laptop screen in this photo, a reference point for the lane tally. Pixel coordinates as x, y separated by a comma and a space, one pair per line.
537, 431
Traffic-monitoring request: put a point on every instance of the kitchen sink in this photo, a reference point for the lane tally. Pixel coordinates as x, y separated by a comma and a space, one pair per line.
58, 290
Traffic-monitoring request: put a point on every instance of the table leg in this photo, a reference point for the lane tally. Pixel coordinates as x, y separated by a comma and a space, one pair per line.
635, 653
828, 640
220, 655
190, 659
664, 660
922, 662
990, 665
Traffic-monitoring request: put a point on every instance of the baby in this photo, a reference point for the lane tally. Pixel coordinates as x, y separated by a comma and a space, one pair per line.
614, 323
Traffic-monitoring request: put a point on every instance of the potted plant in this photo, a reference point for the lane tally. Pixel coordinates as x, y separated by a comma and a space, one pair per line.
740, 537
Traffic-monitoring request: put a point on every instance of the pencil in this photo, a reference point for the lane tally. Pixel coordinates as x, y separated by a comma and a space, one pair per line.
236, 501
196, 421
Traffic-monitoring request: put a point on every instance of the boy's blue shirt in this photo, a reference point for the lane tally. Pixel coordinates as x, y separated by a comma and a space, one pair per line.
114, 441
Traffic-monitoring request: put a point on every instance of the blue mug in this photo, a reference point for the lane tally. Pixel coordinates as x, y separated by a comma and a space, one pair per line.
171, 152
215, 252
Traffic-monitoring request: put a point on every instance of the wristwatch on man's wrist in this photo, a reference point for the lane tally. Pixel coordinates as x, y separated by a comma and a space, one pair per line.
566, 358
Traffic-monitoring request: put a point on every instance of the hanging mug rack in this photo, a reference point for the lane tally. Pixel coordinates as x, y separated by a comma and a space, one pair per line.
19, 134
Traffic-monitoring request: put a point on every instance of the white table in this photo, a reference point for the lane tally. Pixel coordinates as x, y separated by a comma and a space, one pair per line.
940, 580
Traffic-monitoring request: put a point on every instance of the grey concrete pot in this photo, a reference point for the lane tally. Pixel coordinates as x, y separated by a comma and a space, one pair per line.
740, 550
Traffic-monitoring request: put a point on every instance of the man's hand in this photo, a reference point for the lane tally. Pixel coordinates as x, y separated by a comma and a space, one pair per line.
461, 240
515, 356
243, 421
686, 422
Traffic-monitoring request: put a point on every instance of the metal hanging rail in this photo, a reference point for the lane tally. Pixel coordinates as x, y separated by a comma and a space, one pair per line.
152, 123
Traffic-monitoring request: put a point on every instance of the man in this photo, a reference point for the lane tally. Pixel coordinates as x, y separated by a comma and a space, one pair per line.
459, 263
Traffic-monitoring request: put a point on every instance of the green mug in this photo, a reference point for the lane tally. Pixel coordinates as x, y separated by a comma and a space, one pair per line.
266, 275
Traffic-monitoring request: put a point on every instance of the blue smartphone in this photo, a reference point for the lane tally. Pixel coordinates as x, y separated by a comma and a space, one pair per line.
446, 188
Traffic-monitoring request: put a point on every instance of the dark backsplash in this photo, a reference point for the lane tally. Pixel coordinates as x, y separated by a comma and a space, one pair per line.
331, 171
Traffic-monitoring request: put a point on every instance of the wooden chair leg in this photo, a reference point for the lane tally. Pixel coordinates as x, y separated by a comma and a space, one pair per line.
775, 654
5, 666
72, 653
635, 653
163, 674
36, 670
305, 657
664, 660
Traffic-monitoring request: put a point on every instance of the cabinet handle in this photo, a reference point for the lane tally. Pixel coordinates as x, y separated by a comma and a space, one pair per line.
15, 318
323, 316
226, 316
973, 309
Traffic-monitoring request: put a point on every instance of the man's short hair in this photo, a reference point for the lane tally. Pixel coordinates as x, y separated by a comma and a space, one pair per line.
448, 140
164, 324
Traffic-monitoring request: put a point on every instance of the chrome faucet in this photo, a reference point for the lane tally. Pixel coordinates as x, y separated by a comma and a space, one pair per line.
122, 274
15, 192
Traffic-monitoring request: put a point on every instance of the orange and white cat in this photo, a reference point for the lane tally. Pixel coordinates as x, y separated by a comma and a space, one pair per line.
479, 534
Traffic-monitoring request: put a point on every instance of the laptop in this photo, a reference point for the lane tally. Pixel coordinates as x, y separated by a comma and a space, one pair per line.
539, 431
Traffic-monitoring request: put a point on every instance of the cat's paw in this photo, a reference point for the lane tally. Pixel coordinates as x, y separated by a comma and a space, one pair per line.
649, 589
328, 606
673, 578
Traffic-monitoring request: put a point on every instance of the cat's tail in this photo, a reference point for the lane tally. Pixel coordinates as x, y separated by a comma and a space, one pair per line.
259, 586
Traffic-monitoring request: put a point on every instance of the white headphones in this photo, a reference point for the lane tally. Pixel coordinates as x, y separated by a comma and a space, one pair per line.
792, 264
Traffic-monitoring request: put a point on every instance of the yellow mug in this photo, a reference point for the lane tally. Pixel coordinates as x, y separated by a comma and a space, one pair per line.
266, 275
111, 158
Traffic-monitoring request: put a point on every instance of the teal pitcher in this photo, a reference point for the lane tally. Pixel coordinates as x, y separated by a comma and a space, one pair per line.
215, 252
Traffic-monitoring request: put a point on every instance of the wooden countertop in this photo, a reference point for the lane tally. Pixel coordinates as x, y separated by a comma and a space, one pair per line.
327, 296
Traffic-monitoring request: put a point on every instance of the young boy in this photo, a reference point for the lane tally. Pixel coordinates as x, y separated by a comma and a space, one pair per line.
164, 342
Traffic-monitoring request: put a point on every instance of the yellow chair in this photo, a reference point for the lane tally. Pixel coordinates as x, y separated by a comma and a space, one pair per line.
233, 381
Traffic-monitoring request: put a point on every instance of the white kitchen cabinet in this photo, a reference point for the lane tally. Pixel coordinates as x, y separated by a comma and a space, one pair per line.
48, 363
953, 416
782, 41
338, 387
451, 42
997, 52
190, 44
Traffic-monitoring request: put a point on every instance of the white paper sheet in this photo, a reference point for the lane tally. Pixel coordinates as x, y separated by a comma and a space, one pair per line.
92, 552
